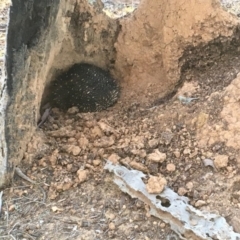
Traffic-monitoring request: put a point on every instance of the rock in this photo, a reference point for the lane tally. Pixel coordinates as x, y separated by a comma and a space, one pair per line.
157, 156
74, 150
83, 142
82, 175
156, 185
53, 157
63, 132
73, 110
182, 191
171, 167
189, 186
200, 203
153, 143
96, 162
138, 166
106, 128
201, 120
138, 142
139, 152
104, 142
177, 154
114, 158
221, 161
109, 215
111, 226
186, 151
96, 132
235, 222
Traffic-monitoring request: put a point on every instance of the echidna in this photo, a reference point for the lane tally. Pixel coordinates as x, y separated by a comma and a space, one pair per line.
85, 86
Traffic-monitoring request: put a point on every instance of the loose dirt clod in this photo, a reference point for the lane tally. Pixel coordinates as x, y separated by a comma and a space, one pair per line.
156, 185
221, 161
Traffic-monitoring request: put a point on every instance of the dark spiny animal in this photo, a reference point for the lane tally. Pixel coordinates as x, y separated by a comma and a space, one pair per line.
85, 86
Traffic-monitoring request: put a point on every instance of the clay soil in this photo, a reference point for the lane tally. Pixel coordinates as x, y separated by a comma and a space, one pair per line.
73, 197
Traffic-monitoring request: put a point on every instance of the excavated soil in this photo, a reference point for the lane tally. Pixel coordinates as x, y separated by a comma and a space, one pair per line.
75, 198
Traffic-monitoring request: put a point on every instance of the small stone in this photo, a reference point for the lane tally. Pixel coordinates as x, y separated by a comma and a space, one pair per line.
182, 191
11, 208
111, 226
221, 161
82, 175
139, 152
235, 222
97, 132
162, 225
106, 128
171, 167
75, 150
156, 185
186, 151
200, 203
83, 142
189, 186
104, 142
157, 156
201, 120
71, 140
153, 143
230, 169
177, 154
138, 166
109, 215
114, 158
53, 157
96, 162
67, 186
73, 110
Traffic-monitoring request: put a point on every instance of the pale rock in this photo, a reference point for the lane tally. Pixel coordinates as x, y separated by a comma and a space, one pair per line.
189, 186
200, 203
138, 142
171, 167
156, 185
221, 161
109, 215
153, 143
74, 150
157, 156
138, 166
104, 142
182, 191
201, 120
114, 158
139, 152
96, 162
73, 110
111, 226
106, 128
186, 151
63, 132
53, 157
96, 132
177, 154
83, 142
82, 175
